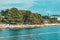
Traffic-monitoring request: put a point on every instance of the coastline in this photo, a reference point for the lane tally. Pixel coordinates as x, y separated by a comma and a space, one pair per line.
4, 26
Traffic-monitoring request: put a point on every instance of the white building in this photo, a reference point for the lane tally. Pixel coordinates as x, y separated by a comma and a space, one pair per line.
56, 16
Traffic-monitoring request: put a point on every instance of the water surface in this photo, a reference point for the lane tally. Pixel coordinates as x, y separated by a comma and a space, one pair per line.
46, 33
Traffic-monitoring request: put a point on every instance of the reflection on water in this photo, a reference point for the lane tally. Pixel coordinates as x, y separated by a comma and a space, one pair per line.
48, 33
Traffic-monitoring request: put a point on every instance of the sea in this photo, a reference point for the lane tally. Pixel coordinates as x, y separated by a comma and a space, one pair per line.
42, 33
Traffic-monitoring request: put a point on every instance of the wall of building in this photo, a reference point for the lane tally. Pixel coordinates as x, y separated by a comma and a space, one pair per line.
58, 18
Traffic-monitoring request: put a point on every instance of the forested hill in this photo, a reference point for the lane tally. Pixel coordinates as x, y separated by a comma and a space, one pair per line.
14, 15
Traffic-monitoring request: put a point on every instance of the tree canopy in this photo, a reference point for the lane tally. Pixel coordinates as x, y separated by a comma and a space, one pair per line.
14, 15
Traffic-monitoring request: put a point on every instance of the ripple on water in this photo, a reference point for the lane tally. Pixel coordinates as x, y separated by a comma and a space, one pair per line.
46, 33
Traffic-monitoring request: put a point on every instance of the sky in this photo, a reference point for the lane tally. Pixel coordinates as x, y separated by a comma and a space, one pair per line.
44, 7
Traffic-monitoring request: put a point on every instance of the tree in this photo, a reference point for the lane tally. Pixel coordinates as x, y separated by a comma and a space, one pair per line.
14, 15
53, 20
0, 18
2, 12
35, 18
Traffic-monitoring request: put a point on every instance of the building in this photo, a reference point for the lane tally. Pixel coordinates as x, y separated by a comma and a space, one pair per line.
56, 16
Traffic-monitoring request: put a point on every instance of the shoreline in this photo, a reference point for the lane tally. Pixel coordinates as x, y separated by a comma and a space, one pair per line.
4, 26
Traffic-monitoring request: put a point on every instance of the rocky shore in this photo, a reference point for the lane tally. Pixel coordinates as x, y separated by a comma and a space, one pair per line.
4, 26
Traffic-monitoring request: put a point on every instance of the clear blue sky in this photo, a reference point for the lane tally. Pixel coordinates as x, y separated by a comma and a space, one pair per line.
41, 6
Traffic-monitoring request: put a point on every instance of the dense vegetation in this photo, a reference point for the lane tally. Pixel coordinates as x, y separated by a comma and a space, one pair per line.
51, 20
16, 16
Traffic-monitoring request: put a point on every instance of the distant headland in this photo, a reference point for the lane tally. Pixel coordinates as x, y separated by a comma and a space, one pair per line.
25, 19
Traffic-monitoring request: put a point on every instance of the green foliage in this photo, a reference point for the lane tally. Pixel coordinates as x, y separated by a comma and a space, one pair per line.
53, 20
45, 17
0, 18
14, 15
35, 19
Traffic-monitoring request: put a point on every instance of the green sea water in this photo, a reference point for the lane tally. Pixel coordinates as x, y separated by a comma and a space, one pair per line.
45, 33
